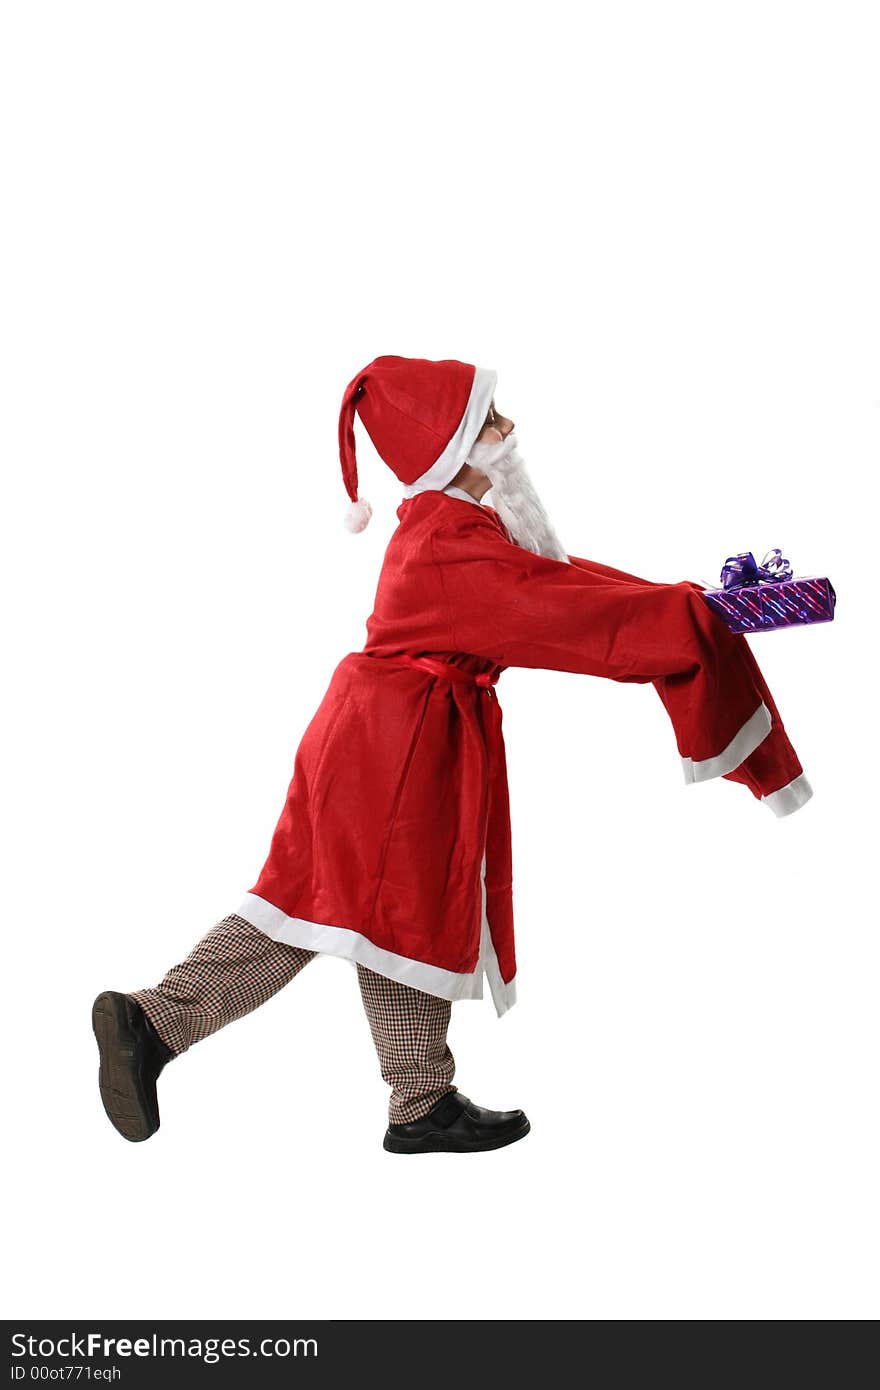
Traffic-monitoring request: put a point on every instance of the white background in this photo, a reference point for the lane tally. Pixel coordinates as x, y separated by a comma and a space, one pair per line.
659, 224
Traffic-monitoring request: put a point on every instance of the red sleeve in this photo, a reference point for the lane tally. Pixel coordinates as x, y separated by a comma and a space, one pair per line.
594, 567
515, 608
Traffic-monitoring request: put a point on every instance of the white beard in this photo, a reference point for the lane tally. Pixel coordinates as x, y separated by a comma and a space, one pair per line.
514, 497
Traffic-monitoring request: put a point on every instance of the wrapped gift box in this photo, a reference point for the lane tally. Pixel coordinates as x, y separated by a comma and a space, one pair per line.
756, 597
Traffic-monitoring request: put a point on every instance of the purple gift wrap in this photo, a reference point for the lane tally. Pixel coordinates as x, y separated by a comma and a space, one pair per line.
756, 597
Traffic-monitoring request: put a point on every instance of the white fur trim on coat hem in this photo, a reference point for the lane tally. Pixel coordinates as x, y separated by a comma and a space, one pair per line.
753, 732
503, 995
789, 798
352, 946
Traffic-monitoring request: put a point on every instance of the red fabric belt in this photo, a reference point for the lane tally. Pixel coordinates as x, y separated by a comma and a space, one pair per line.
484, 679
497, 833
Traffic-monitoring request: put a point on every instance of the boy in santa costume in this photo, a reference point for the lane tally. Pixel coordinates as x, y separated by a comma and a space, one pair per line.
393, 846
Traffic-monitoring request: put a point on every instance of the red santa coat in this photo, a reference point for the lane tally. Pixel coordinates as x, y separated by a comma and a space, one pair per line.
393, 847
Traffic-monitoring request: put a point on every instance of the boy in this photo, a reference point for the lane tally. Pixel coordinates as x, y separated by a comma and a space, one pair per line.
393, 847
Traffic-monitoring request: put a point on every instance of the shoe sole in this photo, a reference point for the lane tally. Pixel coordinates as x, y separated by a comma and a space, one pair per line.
441, 1144
129, 1108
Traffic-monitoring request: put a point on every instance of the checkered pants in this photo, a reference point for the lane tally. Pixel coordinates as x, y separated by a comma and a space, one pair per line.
236, 967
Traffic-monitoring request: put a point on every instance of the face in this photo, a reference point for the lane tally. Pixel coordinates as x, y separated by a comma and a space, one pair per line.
496, 428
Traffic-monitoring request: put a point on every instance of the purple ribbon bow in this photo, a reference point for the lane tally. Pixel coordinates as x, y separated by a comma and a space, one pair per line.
742, 569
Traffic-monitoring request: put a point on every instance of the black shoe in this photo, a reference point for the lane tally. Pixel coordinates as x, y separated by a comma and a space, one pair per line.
456, 1125
132, 1056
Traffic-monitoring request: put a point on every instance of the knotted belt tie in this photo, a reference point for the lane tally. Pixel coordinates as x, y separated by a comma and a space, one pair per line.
484, 679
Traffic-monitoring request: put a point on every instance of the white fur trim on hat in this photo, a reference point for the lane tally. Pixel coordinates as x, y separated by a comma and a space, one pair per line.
444, 469
358, 514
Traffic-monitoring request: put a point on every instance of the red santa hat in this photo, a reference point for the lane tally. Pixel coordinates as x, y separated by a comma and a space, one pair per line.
422, 416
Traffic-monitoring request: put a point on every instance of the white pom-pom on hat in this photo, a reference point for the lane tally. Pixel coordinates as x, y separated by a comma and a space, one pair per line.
358, 515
